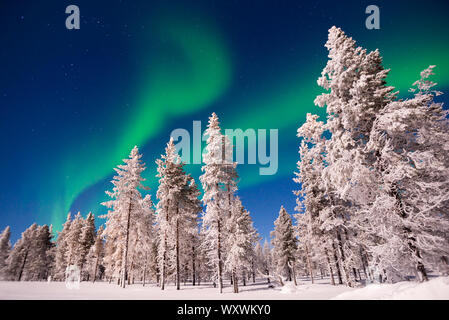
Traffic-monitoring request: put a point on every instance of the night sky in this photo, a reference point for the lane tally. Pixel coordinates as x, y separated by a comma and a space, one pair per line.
74, 102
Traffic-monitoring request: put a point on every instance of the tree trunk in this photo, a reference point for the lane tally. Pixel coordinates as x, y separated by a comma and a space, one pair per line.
178, 271
244, 278
144, 270
294, 274
219, 266
364, 263
130, 273
337, 264
309, 264
354, 271
193, 266
125, 254
253, 270
95, 268
343, 261
235, 282
331, 272
411, 240
23, 266
164, 255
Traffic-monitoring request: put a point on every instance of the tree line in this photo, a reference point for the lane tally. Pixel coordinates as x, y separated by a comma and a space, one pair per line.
372, 202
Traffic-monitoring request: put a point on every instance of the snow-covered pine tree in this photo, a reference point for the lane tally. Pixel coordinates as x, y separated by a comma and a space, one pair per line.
120, 219
410, 138
317, 226
177, 212
239, 243
61, 250
311, 199
267, 260
5, 250
190, 208
31, 257
94, 258
170, 181
113, 253
20, 260
374, 164
357, 89
186, 224
41, 259
202, 268
86, 240
259, 261
284, 245
73, 253
219, 185
144, 256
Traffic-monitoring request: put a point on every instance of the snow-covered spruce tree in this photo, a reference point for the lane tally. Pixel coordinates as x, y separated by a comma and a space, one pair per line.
177, 213
191, 208
239, 243
86, 240
319, 227
357, 89
186, 225
311, 199
284, 245
113, 254
259, 260
192, 250
95, 256
120, 219
170, 184
411, 141
30, 258
20, 257
74, 250
5, 249
219, 185
144, 257
41, 262
202, 268
61, 251
141, 238
267, 260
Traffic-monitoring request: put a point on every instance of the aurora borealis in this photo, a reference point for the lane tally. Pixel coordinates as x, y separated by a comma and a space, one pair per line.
74, 102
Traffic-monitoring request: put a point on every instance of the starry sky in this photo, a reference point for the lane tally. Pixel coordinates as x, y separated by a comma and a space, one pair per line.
74, 102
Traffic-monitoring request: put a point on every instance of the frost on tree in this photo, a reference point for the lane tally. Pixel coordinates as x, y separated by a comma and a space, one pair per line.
5, 249
94, 258
177, 217
239, 243
30, 258
61, 249
284, 246
411, 141
124, 231
374, 191
219, 184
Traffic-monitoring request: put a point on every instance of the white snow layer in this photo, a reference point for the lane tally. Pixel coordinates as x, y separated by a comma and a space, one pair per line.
437, 288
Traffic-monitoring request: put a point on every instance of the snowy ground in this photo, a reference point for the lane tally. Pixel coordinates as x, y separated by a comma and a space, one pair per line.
435, 289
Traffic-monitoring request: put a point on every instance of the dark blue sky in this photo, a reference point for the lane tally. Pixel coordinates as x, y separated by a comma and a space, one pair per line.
74, 102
